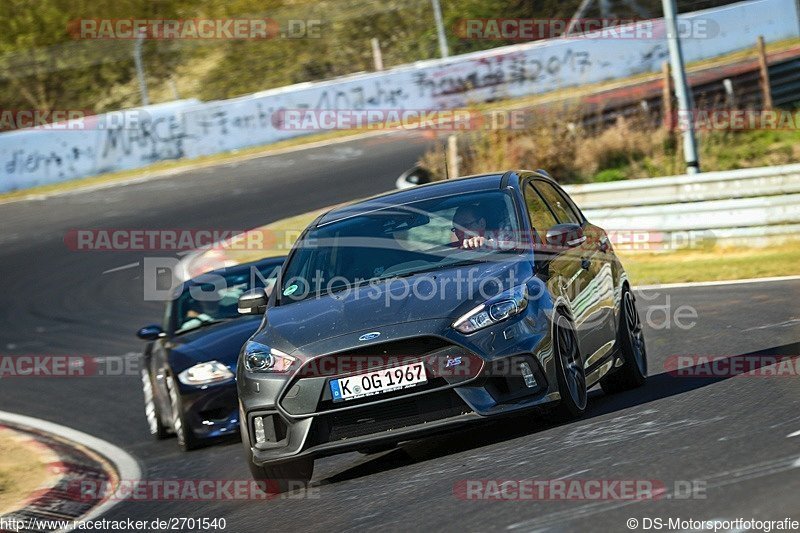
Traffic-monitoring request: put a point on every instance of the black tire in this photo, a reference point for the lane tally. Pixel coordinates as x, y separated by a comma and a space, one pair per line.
285, 476
570, 372
186, 438
633, 372
152, 411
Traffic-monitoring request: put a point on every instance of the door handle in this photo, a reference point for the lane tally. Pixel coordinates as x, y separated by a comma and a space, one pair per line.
585, 263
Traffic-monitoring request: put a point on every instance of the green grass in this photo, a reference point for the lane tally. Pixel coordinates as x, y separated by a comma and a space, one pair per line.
21, 472
713, 265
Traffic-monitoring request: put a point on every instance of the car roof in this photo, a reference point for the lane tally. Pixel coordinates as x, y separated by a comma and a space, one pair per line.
466, 184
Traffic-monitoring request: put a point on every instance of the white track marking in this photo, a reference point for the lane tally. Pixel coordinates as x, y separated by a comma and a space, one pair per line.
127, 467
715, 283
123, 267
795, 434
579, 472
783, 324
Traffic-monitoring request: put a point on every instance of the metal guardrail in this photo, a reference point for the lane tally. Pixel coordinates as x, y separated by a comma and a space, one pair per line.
719, 185
753, 207
784, 77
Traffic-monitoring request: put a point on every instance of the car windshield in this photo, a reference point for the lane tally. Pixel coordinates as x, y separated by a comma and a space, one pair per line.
401, 240
213, 298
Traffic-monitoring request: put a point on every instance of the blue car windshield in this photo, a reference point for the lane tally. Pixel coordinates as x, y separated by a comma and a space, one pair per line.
213, 297
401, 240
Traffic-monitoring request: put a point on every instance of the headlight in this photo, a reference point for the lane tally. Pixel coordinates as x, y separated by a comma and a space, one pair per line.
496, 310
205, 373
261, 358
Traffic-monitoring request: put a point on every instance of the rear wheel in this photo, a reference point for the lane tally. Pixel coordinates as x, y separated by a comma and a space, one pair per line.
633, 372
152, 411
570, 372
285, 476
186, 439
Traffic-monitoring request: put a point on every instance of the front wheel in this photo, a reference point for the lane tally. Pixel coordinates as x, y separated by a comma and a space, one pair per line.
152, 411
633, 372
186, 439
285, 476
570, 372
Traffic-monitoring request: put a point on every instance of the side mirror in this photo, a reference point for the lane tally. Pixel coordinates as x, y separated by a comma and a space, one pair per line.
565, 235
416, 175
151, 333
253, 302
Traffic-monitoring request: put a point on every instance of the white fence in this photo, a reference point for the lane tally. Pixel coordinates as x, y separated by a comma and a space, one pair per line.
191, 129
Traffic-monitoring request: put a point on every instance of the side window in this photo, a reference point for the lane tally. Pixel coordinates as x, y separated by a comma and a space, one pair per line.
542, 219
560, 206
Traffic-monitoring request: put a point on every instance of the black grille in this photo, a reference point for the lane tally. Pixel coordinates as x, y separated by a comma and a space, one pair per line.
402, 348
396, 414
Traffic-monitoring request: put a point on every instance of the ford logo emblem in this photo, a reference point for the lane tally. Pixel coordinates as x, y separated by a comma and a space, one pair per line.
369, 336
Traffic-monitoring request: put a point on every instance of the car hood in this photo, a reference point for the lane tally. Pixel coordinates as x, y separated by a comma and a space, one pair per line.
221, 342
432, 296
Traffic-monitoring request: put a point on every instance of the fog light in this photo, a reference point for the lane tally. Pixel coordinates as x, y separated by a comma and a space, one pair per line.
261, 437
527, 375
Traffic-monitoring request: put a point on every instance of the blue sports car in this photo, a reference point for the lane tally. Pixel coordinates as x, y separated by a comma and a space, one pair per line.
190, 359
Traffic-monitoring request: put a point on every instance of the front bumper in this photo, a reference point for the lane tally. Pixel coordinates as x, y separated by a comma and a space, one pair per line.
300, 419
211, 411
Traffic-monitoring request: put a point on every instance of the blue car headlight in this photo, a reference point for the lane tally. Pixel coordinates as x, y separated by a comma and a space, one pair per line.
497, 309
205, 374
260, 358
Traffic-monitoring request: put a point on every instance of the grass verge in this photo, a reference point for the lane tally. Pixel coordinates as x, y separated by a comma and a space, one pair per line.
21, 472
716, 264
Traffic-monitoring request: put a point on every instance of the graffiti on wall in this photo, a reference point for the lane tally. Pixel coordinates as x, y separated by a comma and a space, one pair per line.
191, 129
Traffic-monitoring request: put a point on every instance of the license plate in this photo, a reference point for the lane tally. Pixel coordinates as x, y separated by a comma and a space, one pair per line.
378, 382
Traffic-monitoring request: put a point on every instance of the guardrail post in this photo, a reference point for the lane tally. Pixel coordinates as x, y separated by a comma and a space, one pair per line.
682, 90
452, 156
762, 61
666, 96
377, 56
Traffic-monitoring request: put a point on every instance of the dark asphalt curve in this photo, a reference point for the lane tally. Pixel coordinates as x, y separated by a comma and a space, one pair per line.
730, 437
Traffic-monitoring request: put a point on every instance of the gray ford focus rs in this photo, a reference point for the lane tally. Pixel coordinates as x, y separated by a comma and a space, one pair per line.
421, 310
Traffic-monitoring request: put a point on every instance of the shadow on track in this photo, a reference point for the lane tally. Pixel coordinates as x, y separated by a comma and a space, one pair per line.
658, 386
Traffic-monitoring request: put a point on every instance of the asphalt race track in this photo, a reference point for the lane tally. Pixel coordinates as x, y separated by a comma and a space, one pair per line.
729, 436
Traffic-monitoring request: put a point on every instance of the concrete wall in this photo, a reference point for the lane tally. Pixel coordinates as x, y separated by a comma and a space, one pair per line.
191, 129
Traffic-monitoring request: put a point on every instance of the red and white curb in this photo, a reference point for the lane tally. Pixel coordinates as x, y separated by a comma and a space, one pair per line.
71, 457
